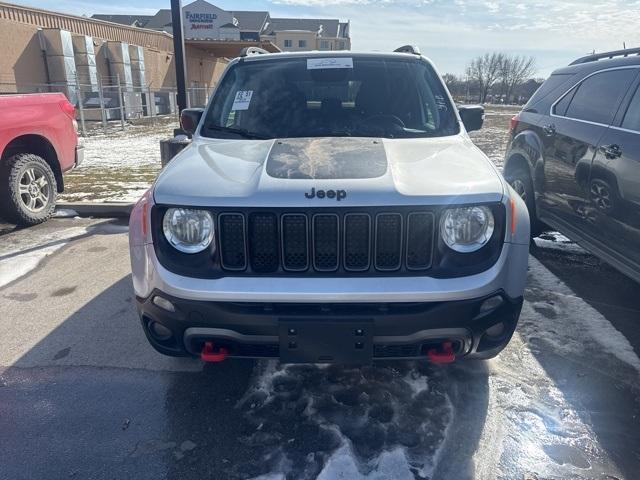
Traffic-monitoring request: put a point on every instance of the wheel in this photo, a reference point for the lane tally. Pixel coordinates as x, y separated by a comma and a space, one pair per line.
603, 196
520, 180
27, 189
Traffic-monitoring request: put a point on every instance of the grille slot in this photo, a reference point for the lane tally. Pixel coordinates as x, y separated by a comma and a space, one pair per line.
233, 252
357, 242
388, 255
295, 242
419, 240
263, 242
325, 242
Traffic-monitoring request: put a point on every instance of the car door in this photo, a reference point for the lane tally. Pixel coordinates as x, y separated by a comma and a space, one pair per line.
570, 137
614, 184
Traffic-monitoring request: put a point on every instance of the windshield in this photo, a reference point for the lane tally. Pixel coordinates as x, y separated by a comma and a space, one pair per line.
301, 97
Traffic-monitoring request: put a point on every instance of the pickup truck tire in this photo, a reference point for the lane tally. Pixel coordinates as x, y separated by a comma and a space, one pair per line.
27, 189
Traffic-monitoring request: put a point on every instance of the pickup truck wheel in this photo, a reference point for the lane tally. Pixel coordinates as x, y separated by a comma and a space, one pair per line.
27, 189
520, 181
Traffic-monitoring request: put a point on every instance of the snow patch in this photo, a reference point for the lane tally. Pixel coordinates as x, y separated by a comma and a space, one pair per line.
389, 465
563, 307
557, 241
368, 422
15, 264
13, 268
64, 213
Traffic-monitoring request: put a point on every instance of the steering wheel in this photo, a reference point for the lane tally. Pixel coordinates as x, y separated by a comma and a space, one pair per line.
384, 118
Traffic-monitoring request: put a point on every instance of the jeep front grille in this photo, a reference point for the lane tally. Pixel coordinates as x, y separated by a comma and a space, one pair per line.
345, 242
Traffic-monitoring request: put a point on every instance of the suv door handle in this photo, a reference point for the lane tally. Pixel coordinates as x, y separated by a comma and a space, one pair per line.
611, 151
549, 130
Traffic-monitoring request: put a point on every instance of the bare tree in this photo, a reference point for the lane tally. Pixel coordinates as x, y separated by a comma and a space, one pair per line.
485, 70
515, 69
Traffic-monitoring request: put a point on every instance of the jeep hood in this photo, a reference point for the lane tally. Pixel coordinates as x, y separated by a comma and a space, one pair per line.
372, 171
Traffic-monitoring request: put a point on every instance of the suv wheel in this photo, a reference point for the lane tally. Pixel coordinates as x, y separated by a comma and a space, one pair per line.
520, 180
603, 195
27, 189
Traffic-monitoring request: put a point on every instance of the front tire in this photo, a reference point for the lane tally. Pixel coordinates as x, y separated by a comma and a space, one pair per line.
520, 180
28, 189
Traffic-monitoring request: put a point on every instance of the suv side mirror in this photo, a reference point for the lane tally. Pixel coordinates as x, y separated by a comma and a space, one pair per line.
472, 116
189, 119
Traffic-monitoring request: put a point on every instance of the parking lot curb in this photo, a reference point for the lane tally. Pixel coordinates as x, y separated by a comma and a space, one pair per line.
98, 209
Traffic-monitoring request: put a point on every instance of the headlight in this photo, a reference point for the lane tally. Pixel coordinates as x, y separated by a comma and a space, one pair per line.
188, 230
467, 229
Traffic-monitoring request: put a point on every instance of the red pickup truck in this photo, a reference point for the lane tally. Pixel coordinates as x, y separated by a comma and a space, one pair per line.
38, 143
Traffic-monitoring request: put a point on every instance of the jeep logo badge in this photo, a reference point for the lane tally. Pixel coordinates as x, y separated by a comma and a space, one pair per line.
337, 194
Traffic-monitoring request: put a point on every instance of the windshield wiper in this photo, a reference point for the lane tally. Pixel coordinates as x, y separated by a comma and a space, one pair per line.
236, 131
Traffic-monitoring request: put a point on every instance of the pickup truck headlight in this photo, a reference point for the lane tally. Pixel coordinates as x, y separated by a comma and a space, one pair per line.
188, 230
467, 229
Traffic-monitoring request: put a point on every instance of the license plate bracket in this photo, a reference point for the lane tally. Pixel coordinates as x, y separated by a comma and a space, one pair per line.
326, 341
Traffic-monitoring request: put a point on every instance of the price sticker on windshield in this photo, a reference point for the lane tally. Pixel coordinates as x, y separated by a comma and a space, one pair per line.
333, 62
242, 100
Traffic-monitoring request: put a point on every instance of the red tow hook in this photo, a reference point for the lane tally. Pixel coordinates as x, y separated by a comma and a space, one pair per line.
208, 354
444, 355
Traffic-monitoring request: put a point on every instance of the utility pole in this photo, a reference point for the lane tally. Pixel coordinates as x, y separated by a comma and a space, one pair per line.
170, 147
178, 52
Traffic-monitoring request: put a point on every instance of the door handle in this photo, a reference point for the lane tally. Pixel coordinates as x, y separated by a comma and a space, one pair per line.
549, 130
612, 151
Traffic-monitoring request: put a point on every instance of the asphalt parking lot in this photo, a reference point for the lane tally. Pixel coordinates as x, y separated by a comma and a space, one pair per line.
82, 395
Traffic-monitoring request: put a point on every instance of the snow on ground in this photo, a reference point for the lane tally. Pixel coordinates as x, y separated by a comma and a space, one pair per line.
369, 422
506, 418
16, 263
557, 241
118, 166
553, 304
64, 213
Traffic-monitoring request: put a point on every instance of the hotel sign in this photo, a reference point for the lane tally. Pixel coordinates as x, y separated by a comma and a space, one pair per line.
200, 21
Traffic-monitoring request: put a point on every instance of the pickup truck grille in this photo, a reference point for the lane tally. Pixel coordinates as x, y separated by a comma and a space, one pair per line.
305, 242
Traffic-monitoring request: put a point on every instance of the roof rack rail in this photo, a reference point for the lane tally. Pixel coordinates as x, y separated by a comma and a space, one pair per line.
246, 51
598, 56
408, 49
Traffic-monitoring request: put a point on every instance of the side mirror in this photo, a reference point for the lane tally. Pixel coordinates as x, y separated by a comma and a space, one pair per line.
472, 116
189, 119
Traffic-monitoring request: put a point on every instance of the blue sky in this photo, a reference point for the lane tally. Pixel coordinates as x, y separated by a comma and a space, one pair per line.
450, 32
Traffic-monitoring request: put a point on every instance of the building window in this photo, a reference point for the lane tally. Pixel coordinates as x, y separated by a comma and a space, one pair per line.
302, 43
324, 45
341, 45
288, 44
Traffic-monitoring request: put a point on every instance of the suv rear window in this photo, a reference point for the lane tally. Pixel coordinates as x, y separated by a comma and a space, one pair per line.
597, 98
632, 116
554, 81
359, 96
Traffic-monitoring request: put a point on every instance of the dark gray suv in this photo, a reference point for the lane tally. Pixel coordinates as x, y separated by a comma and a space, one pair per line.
574, 156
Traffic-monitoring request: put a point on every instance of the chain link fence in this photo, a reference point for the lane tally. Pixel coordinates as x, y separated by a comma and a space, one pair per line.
102, 102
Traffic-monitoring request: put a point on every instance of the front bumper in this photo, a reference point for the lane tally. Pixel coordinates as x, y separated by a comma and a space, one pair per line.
394, 330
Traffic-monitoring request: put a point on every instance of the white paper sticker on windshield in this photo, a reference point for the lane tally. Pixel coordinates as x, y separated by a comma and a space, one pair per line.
242, 100
333, 62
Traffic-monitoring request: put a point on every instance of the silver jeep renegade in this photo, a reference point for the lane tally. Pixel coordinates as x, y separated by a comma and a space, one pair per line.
330, 208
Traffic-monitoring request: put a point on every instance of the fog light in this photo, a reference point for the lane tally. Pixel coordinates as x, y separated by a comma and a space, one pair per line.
164, 304
159, 331
490, 304
496, 330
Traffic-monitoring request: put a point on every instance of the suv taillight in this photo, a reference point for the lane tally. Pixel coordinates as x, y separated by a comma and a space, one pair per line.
67, 107
513, 123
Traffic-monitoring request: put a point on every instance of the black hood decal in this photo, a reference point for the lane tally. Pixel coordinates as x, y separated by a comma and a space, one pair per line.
327, 158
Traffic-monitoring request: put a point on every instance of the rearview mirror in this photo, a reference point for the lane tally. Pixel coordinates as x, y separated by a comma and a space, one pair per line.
472, 116
189, 119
